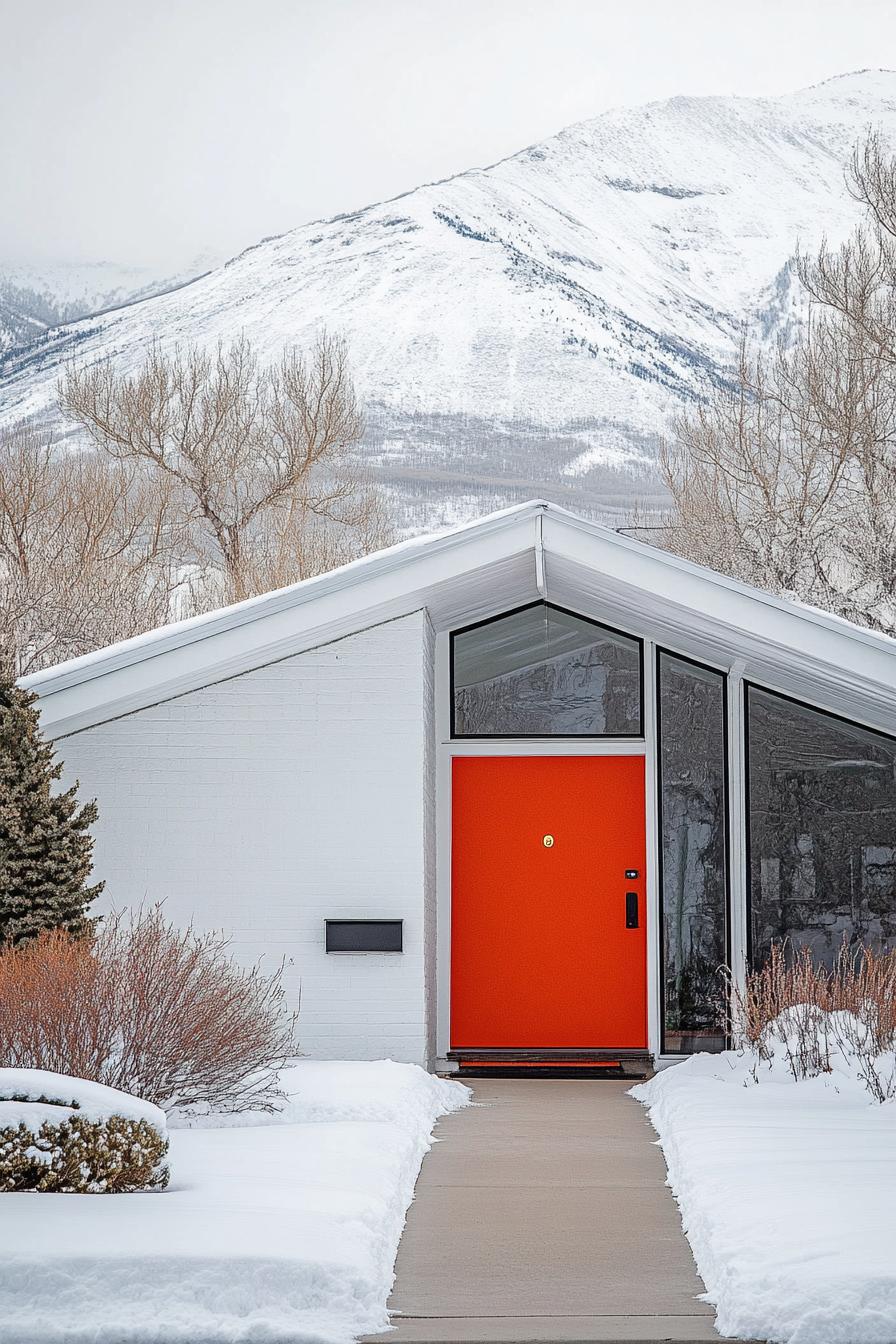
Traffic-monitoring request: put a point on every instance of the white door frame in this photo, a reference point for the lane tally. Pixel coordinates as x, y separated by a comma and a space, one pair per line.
447, 749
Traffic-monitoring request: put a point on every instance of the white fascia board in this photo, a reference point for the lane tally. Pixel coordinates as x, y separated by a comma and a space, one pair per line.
183, 656
295, 595
174, 660
757, 623
638, 556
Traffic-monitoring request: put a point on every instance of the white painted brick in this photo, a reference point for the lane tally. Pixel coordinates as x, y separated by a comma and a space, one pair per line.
267, 803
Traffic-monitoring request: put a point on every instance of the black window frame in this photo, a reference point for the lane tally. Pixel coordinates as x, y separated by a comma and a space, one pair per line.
547, 737
748, 830
659, 652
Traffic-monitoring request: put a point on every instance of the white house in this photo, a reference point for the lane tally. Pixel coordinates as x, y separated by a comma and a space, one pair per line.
512, 793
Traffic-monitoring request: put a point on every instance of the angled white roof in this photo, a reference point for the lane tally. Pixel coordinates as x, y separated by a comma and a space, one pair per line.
517, 555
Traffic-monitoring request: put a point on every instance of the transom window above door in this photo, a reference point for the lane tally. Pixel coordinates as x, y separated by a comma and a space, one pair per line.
542, 671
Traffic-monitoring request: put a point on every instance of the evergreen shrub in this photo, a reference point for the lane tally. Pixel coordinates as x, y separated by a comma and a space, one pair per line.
45, 847
76, 1155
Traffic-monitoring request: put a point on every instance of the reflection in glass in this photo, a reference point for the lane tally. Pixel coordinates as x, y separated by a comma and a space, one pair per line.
822, 817
693, 802
544, 672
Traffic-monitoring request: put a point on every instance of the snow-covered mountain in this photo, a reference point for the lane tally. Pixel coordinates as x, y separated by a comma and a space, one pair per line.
528, 328
37, 296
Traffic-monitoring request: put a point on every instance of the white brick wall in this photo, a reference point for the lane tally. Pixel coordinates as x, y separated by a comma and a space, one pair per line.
267, 803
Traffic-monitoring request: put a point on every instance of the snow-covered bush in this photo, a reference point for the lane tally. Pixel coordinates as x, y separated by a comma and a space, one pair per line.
70, 1136
822, 1020
155, 1011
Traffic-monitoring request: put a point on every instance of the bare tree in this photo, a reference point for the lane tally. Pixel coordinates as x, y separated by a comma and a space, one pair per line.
292, 541
88, 552
259, 457
787, 476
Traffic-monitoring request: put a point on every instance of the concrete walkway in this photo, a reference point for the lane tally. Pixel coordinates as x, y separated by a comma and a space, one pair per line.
542, 1214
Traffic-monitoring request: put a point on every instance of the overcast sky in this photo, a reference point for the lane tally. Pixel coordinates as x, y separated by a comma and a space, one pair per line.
149, 131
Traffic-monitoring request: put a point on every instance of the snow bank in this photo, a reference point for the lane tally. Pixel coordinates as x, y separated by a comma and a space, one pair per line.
32, 1096
321, 1090
282, 1229
786, 1192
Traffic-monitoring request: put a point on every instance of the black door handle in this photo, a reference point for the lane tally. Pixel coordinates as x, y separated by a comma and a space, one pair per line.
631, 909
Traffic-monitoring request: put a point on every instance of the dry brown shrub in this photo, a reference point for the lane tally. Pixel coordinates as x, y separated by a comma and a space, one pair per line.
160, 1012
811, 1009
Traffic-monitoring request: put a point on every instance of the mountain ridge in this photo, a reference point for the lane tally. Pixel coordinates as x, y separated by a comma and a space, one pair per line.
36, 296
531, 325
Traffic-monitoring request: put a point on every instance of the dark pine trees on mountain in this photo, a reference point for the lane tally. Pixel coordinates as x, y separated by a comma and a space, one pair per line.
45, 845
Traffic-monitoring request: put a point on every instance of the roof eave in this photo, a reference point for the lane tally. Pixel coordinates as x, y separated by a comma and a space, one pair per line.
394, 582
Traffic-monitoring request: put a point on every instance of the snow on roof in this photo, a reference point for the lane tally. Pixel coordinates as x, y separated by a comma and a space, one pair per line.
255, 608
530, 550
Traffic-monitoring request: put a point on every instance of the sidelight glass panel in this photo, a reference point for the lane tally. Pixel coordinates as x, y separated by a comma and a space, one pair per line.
694, 886
544, 672
822, 829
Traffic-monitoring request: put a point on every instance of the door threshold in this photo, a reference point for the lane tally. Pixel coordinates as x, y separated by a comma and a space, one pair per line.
604, 1063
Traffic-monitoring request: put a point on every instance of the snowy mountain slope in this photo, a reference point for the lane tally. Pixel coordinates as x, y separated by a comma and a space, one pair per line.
35, 297
535, 322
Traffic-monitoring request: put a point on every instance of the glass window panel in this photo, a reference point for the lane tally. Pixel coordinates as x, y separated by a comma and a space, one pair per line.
693, 804
543, 672
822, 818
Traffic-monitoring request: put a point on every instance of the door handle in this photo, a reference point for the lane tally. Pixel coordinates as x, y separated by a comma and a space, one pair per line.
631, 909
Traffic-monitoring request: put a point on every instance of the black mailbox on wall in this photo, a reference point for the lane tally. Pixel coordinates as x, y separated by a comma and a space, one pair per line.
364, 935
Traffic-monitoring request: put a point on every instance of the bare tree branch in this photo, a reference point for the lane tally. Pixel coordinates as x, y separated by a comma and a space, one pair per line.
260, 458
89, 552
787, 478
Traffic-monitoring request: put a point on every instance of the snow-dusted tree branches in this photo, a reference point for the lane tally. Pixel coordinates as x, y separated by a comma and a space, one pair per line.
87, 552
787, 478
209, 478
259, 457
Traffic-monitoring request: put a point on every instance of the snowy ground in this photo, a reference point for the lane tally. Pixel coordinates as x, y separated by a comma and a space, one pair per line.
278, 1228
788, 1197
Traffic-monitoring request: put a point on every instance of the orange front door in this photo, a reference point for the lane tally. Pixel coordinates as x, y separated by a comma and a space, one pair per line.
545, 951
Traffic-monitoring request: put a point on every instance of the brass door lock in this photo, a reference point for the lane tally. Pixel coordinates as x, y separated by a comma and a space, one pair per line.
548, 841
